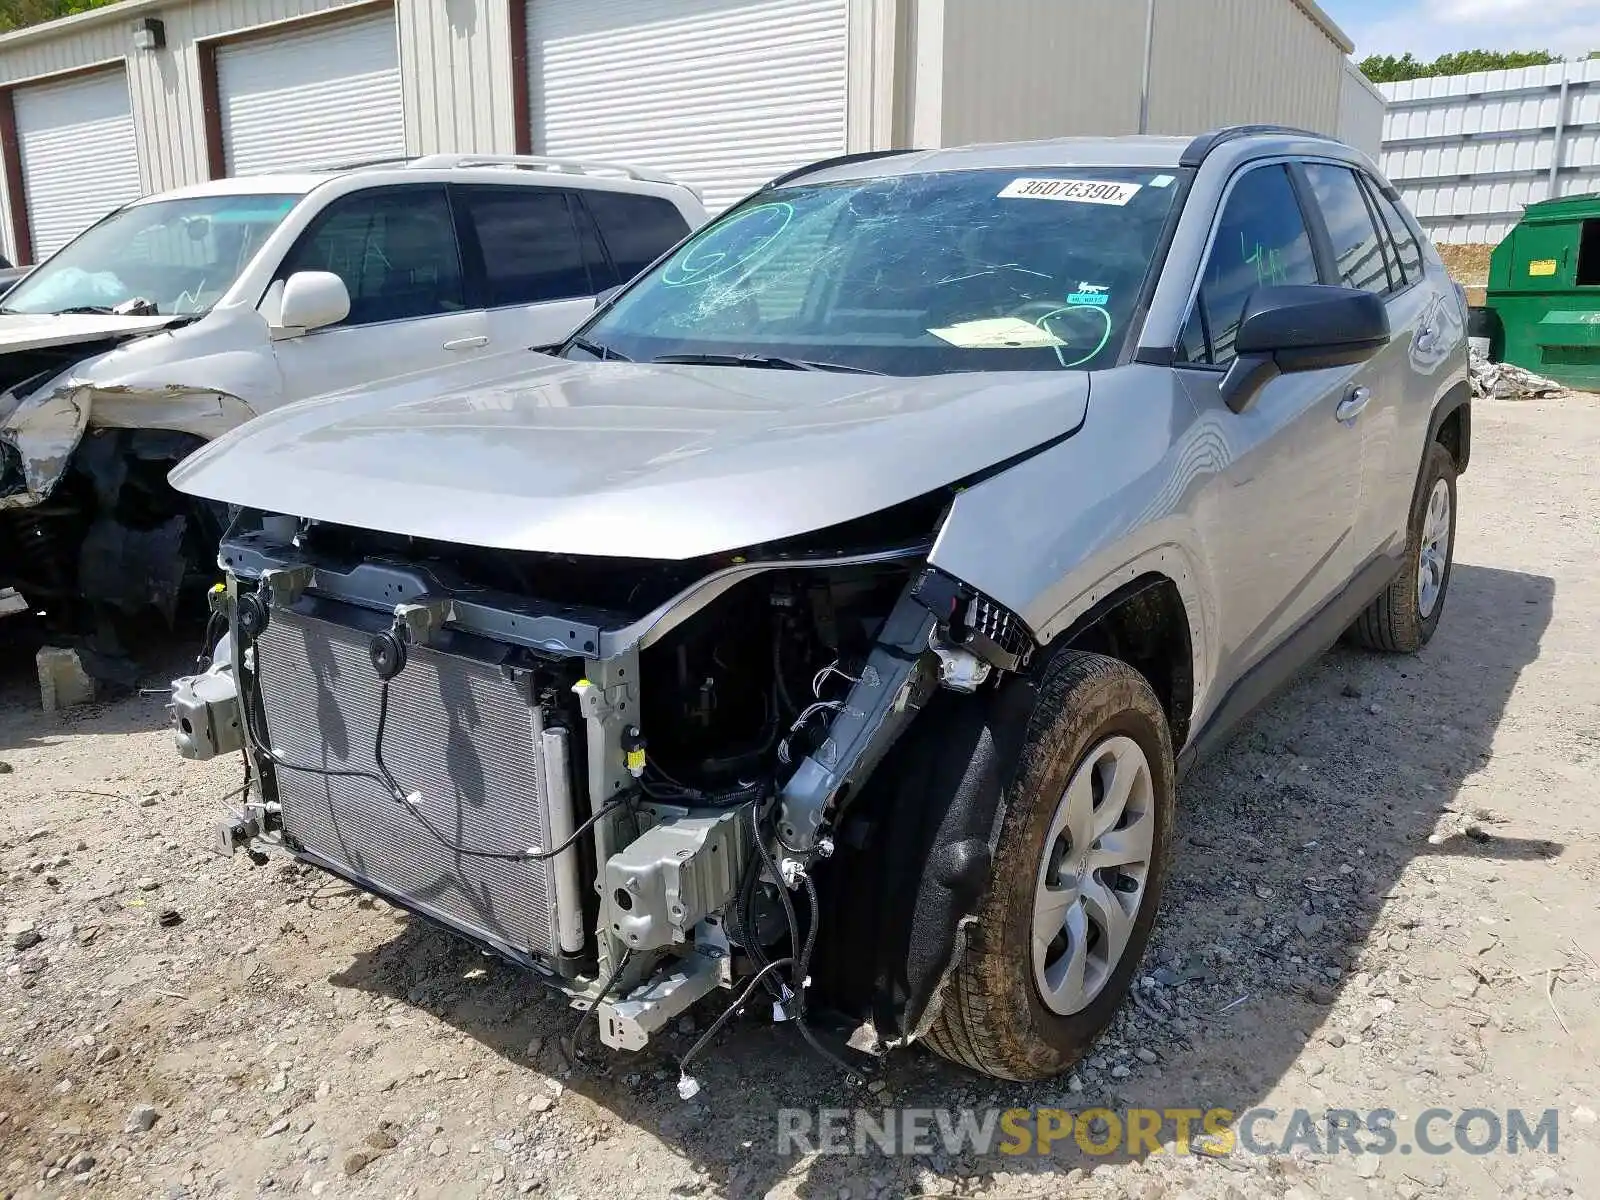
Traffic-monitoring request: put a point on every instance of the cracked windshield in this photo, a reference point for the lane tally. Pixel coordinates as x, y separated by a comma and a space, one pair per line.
159, 259
907, 275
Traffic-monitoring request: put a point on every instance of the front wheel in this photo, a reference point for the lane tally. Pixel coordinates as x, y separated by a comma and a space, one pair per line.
1076, 879
1403, 619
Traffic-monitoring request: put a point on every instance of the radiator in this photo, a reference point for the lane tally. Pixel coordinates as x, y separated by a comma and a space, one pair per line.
459, 733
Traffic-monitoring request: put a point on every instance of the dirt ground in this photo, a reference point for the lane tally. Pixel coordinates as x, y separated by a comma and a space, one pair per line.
1385, 897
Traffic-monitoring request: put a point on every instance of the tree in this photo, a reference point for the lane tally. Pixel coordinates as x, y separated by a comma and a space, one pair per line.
17, 14
1386, 68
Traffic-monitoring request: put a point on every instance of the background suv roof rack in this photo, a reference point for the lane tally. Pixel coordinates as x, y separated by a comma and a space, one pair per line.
1207, 142
535, 162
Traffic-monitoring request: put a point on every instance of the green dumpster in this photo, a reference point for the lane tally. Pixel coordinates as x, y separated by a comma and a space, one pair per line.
1544, 289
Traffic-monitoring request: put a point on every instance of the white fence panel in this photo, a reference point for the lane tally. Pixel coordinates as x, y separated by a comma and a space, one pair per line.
1470, 152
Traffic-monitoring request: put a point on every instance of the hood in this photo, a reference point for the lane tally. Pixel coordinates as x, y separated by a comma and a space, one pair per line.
629, 459
34, 331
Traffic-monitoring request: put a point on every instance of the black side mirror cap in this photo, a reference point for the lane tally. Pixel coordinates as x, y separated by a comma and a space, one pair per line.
1302, 327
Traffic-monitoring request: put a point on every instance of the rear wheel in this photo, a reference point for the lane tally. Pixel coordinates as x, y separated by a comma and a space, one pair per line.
1078, 868
1404, 617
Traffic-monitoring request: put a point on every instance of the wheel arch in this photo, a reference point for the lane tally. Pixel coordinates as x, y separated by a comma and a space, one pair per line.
1451, 425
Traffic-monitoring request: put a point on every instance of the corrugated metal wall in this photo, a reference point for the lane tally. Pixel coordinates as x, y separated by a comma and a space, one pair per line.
1470, 152
455, 69
1361, 113
1232, 62
1047, 68
1041, 68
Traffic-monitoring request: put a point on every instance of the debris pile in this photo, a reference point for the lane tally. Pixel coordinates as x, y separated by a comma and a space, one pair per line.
1502, 381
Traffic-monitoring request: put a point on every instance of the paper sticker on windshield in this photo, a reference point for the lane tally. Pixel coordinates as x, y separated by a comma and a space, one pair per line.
998, 333
1091, 293
1074, 191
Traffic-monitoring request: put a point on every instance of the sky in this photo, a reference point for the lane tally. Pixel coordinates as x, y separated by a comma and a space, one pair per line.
1429, 28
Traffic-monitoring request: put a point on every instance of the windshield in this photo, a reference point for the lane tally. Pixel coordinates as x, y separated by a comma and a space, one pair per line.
165, 257
907, 275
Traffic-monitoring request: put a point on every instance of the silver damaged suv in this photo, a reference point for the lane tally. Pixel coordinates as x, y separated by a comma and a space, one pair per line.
832, 617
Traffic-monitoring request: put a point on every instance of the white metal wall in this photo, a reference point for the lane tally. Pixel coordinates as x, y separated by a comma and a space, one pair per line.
1361, 113
455, 76
1233, 62
328, 93
1470, 152
455, 71
724, 94
1051, 68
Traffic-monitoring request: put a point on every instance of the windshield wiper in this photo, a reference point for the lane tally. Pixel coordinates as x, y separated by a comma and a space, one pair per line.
775, 362
79, 310
595, 348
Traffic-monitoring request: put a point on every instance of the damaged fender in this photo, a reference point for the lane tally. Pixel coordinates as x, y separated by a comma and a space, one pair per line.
44, 430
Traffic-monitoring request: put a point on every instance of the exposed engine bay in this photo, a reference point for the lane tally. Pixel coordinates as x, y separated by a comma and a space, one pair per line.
628, 776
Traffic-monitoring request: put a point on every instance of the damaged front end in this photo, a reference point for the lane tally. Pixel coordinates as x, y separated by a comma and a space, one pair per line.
627, 775
90, 532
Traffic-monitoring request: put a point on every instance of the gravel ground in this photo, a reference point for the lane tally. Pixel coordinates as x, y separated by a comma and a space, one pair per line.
1385, 896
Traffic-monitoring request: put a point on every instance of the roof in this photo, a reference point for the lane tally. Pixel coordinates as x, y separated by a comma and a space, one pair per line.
1054, 153
1338, 36
1050, 152
109, 14
245, 185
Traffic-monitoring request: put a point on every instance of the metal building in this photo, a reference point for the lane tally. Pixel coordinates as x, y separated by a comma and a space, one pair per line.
146, 95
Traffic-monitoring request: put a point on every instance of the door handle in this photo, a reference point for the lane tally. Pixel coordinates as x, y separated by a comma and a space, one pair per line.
467, 343
1353, 405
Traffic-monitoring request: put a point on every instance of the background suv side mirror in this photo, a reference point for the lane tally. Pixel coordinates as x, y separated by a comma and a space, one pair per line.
1302, 327
312, 300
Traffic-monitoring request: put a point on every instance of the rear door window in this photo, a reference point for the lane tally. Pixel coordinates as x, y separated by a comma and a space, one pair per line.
529, 244
395, 249
637, 229
1262, 241
1357, 247
1408, 251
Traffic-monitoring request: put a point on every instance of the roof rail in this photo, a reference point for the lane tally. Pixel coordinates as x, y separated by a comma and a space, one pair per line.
357, 164
840, 160
1207, 142
535, 162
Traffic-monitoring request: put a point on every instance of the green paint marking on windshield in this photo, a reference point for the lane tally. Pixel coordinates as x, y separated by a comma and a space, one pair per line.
1062, 351
716, 253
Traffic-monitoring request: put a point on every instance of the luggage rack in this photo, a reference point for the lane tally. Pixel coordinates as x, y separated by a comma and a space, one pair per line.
536, 162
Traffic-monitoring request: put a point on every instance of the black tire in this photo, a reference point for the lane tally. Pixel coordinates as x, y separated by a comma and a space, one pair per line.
1394, 622
992, 1018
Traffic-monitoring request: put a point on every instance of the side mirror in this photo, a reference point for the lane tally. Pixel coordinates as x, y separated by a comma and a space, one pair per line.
1303, 327
312, 300
603, 298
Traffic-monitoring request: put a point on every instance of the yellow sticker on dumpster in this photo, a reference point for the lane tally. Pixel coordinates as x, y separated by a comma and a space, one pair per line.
1543, 267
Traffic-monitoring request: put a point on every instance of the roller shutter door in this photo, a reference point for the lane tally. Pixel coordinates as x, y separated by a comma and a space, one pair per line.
326, 94
723, 94
79, 162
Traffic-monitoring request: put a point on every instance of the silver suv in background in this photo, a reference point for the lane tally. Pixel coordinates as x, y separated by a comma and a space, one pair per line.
182, 315
838, 615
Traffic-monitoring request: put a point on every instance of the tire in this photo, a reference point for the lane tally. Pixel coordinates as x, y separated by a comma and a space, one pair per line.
1402, 620
995, 1017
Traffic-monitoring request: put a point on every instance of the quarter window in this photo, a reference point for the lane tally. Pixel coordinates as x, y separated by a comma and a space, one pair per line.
1262, 241
1357, 248
1408, 250
637, 229
395, 249
529, 242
